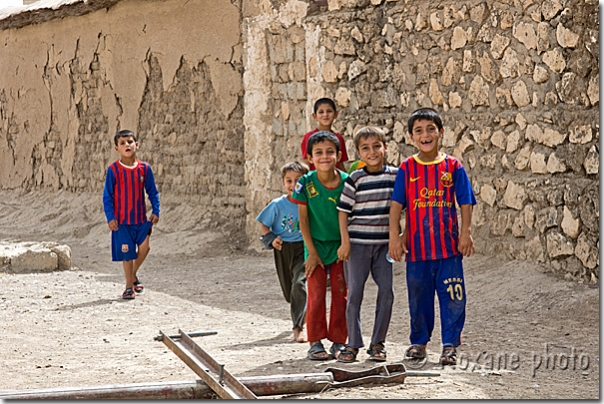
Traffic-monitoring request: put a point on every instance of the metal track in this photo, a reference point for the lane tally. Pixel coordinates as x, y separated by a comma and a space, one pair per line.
213, 374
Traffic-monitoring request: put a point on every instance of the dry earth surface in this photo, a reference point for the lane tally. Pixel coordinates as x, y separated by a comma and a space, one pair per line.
72, 329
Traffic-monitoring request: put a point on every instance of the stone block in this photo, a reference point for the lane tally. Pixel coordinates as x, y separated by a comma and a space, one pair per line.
355, 69
538, 164
488, 68
540, 74
554, 60
468, 62
514, 196
565, 37
510, 66
546, 219
521, 162
570, 225
459, 38
342, 96
525, 33
581, 134
529, 216
555, 165
501, 223
499, 139
550, 8
488, 194
592, 161
499, 45
593, 89
571, 90
543, 31
518, 227
36, 259
435, 22
513, 142
520, 94
558, 245
587, 252
479, 92
434, 93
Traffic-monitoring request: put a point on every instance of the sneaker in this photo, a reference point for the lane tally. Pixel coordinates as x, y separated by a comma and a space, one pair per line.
138, 286
128, 294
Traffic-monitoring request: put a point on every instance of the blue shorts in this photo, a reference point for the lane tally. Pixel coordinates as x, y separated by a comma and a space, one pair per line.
126, 238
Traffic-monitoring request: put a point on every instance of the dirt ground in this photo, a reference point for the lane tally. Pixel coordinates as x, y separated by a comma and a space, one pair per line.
527, 334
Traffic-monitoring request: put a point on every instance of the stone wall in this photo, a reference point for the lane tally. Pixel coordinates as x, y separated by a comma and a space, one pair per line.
73, 75
517, 83
220, 93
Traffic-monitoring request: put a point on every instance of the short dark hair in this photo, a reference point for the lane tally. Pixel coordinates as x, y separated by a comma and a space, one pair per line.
322, 101
123, 133
322, 136
369, 131
427, 114
295, 166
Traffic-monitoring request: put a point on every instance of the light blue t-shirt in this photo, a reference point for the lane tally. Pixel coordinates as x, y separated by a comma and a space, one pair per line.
281, 216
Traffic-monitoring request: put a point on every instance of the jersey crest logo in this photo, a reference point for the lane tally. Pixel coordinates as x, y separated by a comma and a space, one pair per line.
298, 188
142, 178
125, 248
312, 191
446, 179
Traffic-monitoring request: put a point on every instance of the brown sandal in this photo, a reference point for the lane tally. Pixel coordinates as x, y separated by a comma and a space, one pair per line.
416, 351
449, 356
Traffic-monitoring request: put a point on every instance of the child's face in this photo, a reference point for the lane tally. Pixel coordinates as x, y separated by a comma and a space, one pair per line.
325, 156
371, 151
289, 181
126, 146
325, 116
425, 135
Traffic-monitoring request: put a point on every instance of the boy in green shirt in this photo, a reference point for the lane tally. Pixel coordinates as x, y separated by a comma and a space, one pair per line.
317, 194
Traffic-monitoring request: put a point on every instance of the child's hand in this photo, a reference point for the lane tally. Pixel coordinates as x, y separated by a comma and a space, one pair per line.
153, 218
112, 225
344, 251
466, 244
397, 247
312, 262
278, 243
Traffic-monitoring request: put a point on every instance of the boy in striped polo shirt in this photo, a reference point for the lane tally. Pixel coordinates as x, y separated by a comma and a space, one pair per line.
126, 182
428, 185
363, 216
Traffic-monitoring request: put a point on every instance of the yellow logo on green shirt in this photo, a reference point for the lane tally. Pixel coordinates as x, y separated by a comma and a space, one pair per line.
312, 191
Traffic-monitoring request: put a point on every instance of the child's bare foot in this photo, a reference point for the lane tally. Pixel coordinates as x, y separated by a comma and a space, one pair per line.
299, 335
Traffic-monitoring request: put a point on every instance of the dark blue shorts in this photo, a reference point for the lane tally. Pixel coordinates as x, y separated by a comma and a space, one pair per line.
126, 238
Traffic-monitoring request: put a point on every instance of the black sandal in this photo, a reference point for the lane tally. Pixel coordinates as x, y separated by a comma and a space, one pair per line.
416, 351
449, 356
377, 352
316, 349
348, 352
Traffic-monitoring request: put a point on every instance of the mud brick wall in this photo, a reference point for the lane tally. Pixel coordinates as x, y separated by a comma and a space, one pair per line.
171, 71
221, 94
517, 82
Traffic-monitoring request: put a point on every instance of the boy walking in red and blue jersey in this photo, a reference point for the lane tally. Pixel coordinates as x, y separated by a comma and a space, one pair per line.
427, 185
126, 182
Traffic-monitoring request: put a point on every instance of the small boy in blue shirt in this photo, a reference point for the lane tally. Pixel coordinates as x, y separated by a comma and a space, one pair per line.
280, 229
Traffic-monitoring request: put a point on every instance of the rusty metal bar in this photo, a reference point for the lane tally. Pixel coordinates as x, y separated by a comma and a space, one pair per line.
227, 386
260, 385
160, 337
